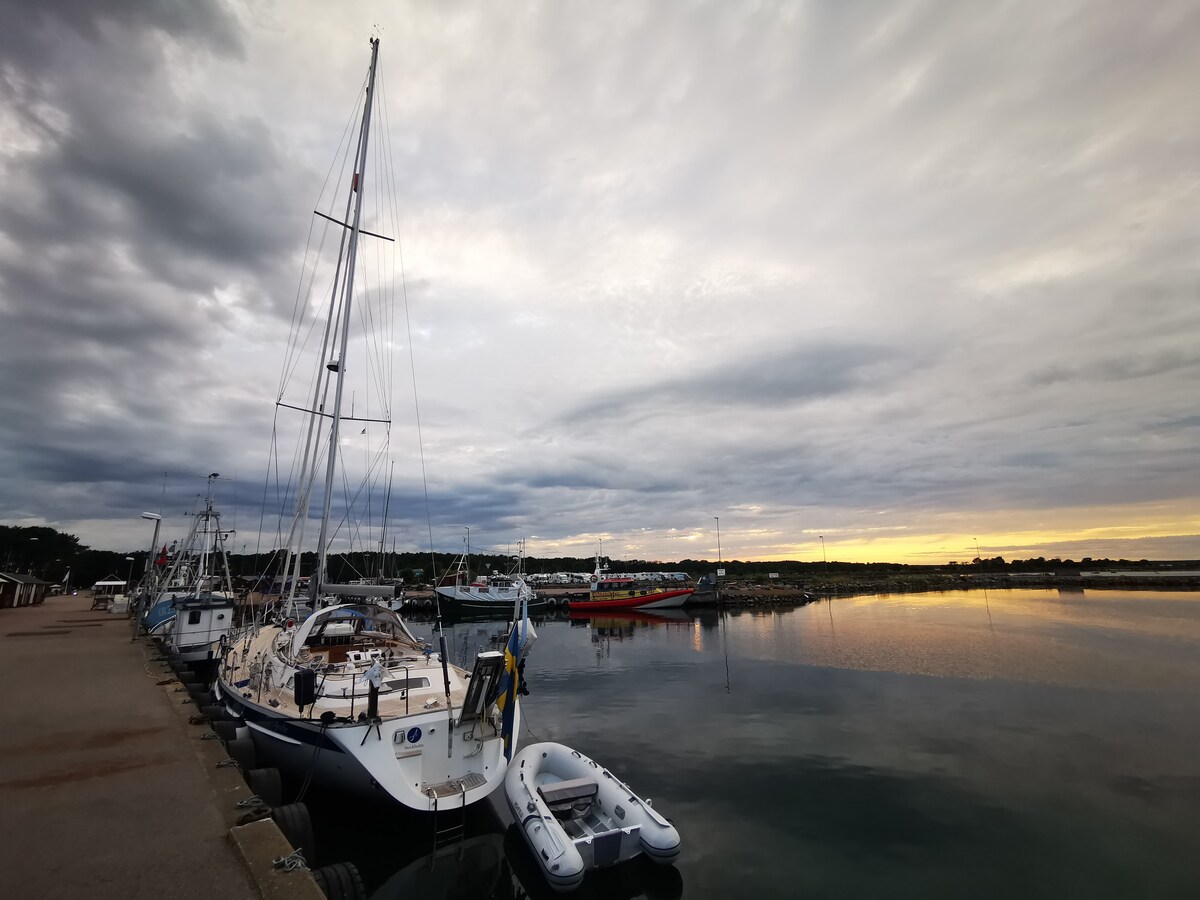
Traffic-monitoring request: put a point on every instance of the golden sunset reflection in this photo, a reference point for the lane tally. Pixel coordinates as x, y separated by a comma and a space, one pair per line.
960, 634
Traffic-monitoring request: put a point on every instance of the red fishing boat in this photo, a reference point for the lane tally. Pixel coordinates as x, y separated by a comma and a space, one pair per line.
613, 592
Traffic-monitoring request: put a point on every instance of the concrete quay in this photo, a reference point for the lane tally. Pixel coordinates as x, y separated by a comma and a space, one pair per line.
107, 789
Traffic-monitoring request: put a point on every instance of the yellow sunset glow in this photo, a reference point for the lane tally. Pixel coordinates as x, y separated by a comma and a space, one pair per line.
1144, 531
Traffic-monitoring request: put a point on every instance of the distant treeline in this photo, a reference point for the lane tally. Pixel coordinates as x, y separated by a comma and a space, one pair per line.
50, 554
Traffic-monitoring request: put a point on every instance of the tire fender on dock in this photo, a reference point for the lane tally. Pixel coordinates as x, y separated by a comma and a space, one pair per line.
267, 785
295, 822
241, 749
340, 881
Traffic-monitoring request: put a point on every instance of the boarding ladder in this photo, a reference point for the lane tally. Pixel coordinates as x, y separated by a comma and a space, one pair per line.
446, 834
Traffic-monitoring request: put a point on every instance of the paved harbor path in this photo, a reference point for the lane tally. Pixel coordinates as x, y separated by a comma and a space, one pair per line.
103, 790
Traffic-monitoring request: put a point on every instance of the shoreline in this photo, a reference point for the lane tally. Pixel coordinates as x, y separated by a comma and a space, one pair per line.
739, 594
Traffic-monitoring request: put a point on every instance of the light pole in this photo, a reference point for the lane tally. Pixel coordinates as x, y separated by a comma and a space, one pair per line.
157, 520
717, 577
824, 559
129, 579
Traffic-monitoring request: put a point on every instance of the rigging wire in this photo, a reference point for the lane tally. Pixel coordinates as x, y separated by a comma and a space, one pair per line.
291, 356
394, 221
293, 489
413, 371
297, 343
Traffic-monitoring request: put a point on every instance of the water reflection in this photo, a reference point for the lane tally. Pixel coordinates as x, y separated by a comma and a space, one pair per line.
636, 878
1033, 744
472, 869
394, 852
631, 616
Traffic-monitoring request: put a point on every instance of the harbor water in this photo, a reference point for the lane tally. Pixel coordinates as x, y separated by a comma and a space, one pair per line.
1014, 743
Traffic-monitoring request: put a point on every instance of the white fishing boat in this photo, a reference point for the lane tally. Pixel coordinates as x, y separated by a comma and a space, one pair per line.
497, 591
203, 616
575, 815
196, 571
348, 696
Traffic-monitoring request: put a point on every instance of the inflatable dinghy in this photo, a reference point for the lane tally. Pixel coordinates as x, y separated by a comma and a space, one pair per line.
576, 815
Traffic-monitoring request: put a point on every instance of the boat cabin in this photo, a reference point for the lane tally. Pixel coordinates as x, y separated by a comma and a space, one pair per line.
366, 630
201, 619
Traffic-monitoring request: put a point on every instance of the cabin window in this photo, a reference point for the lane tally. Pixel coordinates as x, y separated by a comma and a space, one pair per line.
194, 617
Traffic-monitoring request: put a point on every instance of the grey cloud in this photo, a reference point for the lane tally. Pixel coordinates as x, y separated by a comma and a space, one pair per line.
821, 260
31, 27
116, 233
781, 377
1166, 361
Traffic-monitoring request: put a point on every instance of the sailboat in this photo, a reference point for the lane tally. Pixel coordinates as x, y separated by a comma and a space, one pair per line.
347, 695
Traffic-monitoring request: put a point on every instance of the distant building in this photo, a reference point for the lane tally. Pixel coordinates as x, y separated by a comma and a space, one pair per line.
21, 590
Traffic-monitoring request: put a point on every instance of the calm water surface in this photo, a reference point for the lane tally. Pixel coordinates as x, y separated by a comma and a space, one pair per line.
1022, 743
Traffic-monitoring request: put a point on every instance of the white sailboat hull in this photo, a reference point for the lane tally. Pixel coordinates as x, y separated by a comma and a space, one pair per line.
358, 660
379, 762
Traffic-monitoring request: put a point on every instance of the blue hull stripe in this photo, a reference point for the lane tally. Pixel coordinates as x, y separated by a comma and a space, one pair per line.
307, 731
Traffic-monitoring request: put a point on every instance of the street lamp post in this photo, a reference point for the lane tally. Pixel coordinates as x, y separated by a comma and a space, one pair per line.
157, 520
824, 559
129, 578
717, 577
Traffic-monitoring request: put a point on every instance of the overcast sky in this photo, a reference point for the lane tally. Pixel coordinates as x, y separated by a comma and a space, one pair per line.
901, 275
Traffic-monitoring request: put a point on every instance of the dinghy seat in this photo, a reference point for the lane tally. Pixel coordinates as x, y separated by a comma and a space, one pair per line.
569, 799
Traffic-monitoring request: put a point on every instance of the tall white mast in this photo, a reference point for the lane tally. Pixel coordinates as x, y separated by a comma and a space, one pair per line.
358, 185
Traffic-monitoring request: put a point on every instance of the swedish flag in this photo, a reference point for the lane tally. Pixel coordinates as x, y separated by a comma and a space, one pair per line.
506, 702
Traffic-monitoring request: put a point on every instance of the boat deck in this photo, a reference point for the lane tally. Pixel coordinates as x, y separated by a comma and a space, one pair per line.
412, 683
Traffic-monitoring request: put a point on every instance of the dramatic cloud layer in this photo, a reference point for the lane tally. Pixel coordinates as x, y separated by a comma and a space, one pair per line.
902, 277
